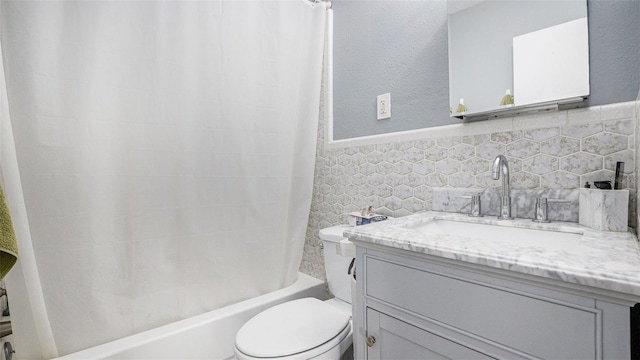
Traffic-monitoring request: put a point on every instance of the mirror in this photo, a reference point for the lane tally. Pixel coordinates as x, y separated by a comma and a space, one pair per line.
516, 55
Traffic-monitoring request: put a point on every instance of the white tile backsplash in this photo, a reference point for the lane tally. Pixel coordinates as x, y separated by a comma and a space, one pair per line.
550, 154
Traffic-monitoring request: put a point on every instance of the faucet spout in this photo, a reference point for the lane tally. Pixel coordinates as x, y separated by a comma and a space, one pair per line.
501, 165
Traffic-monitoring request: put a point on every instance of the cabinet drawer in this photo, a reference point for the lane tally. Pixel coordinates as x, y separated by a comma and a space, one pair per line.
539, 327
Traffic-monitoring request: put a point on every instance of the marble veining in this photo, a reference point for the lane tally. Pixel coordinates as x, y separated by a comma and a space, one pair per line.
604, 209
600, 259
563, 203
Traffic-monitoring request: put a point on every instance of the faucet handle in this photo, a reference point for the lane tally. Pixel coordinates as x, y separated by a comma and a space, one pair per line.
476, 205
541, 213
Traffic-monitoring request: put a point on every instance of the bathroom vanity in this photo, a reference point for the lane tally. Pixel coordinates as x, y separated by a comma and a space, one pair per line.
443, 285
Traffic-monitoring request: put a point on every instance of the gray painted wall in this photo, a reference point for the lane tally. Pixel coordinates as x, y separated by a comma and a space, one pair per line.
389, 46
614, 50
401, 47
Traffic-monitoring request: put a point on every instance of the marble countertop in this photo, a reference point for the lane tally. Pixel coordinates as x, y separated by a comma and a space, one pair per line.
600, 259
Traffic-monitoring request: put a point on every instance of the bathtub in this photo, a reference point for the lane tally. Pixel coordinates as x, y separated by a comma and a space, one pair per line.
206, 336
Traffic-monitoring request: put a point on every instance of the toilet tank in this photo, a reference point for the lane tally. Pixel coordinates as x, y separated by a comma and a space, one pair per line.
336, 265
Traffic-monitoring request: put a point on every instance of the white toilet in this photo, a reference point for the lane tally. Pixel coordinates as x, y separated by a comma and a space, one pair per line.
306, 328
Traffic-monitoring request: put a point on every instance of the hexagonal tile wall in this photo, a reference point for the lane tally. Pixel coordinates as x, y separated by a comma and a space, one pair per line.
398, 178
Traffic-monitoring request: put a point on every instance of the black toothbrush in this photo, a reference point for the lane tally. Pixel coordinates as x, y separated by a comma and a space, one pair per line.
618, 178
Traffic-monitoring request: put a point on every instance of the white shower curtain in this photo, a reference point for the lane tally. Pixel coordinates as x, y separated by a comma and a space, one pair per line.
165, 153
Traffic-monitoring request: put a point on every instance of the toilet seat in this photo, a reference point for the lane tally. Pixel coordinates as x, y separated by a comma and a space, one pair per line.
305, 325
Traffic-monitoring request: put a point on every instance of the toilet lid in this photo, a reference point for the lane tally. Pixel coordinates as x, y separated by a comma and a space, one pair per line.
290, 328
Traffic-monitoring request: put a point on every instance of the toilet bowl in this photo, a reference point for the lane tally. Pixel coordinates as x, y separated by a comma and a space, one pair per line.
300, 329
306, 328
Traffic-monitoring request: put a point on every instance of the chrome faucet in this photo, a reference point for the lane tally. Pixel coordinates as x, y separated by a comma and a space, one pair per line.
500, 165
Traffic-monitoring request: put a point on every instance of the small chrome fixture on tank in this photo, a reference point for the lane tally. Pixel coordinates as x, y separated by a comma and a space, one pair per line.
500, 165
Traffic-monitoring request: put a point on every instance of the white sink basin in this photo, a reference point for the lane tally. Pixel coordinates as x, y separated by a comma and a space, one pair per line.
498, 232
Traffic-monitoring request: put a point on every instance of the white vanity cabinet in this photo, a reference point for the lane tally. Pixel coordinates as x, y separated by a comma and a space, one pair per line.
411, 305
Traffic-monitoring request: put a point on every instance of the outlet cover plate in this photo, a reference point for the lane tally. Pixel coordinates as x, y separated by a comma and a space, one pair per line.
384, 106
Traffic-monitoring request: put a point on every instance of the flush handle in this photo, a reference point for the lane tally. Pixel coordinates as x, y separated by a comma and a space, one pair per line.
370, 341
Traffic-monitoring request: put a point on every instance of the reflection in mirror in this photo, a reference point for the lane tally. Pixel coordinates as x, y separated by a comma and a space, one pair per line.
508, 55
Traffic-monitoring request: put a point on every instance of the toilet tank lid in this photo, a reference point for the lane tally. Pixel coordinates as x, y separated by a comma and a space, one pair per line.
333, 233
291, 328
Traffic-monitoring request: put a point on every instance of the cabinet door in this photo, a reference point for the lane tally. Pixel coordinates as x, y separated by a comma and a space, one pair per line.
395, 339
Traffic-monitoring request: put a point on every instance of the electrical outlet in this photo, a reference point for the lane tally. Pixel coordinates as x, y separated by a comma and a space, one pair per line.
384, 106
